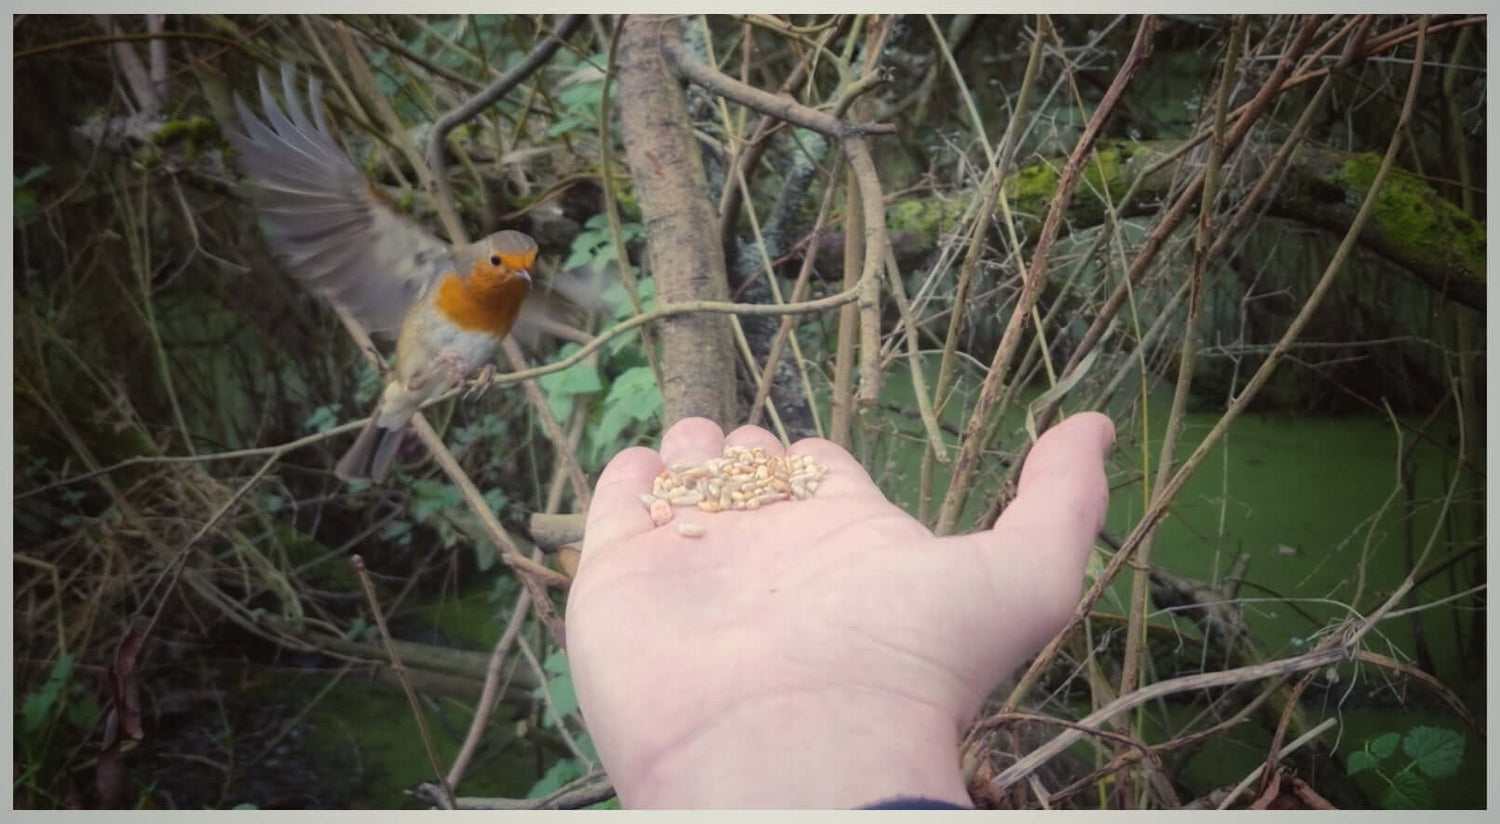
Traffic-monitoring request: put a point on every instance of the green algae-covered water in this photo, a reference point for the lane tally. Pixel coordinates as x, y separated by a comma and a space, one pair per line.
1309, 499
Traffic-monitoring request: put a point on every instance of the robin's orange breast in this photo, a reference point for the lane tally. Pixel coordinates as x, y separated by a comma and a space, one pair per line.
475, 307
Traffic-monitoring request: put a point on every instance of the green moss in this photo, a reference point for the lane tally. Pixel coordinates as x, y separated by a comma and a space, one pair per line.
1414, 216
148, 157
1032, 186
194, 130
1030, 189
1106, 171
925, 215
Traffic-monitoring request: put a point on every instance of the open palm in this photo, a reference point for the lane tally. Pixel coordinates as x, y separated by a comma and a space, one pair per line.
841, 603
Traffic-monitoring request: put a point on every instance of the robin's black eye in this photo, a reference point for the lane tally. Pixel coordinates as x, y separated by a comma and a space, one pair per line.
494, 260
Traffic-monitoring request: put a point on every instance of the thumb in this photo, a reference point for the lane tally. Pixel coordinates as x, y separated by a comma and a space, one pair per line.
1042, 540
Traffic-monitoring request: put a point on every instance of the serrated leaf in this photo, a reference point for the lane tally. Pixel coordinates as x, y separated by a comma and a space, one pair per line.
1407, 791
1436, 751
1385, 745
1360, 761
632, 397
579, 379
432, 497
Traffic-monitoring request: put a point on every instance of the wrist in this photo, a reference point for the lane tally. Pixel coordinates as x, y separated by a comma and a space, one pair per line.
829, 750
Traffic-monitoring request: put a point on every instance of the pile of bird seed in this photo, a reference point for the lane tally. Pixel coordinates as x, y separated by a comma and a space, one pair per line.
743, 478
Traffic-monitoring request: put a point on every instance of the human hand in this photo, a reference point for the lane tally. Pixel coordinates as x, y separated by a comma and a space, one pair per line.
818, 653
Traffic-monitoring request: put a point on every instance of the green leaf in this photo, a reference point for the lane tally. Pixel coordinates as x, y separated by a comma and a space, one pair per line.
1407, 791
432, 497
368, 383
80, 710
1436, 751
560, 686
485, 554
23, 204
398, 531
565, 125
585, 744
632, 398
556, 663
33, 174
1360, 761
323, 418
38, 705
581, 378
560, 773
356, 630
1385, 745
581, 96
563, 698
503, 591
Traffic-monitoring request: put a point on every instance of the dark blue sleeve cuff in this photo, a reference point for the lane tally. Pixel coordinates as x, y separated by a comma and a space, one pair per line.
913, 802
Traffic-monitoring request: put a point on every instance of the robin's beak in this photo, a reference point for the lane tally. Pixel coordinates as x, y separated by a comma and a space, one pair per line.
525, 275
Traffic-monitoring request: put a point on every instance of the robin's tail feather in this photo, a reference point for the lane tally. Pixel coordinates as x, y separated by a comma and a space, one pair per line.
372, 453
356, 462
389, 443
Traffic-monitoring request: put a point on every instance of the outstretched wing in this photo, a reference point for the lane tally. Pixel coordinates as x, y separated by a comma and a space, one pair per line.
323, 217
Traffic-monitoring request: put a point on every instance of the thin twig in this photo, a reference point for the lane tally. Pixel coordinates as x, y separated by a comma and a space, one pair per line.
1035, 277
490, 695
1158, 510
539, 54
764, 102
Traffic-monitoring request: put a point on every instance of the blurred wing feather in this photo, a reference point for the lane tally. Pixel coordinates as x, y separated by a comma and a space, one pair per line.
323, 218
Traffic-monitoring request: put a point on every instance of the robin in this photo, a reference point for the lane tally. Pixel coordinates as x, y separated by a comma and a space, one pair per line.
450, 306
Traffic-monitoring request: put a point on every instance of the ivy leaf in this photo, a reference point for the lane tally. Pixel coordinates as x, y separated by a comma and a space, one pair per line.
1435, 751
1407, 791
